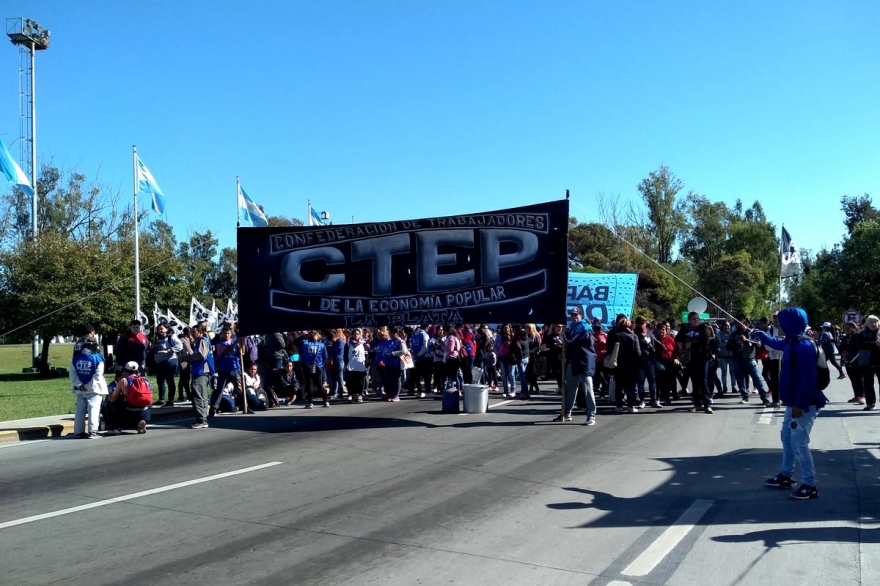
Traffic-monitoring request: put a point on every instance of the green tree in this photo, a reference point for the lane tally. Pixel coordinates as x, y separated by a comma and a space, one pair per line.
55, 283
223, 279
665, 211
857, 210
736, 279
284, 221
197, 255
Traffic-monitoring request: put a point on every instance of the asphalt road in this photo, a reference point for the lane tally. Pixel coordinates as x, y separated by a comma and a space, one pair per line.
400, 494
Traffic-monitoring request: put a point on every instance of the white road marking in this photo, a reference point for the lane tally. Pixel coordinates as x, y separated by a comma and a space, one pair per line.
619, 583
874, 452
645, 563
766, 417
499, 404
21, 443
133, 495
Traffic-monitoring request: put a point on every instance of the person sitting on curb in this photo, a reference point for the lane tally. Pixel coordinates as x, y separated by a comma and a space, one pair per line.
128, 404
283, 384
801, 398
87, 377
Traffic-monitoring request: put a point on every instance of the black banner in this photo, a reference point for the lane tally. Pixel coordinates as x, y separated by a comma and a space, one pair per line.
501, 266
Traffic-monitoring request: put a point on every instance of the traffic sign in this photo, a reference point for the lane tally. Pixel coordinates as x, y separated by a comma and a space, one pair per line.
852, 315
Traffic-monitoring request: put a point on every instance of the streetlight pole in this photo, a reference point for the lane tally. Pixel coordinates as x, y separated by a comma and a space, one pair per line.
29, 36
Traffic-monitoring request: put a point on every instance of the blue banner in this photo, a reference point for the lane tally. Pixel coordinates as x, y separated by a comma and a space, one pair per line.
602, 295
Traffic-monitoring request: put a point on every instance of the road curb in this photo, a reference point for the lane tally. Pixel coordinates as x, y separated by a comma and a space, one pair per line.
63, 428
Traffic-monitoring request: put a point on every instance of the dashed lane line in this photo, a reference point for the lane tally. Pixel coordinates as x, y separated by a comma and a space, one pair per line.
663, 545
133, 495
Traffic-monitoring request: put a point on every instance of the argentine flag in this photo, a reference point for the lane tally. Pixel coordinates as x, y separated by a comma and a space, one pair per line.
315, 218
12, 171
148, 184
250, 211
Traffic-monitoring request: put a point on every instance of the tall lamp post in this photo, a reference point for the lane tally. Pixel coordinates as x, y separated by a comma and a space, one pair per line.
29, 37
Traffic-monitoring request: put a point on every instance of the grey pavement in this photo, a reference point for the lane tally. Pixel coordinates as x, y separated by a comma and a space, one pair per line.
401, 494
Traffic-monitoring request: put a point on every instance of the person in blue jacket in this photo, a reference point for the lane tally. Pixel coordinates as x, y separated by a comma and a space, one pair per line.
801, 399
580, 365
313, 356
87, 377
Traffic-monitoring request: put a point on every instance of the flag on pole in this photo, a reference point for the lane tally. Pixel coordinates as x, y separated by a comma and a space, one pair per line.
13, 172
145, 323
315, 218
790, 261
146, 183
174, 324
220, 318
198, 312
250, 211
232, 310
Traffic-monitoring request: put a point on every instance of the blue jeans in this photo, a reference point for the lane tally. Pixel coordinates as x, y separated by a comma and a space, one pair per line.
165, 373
573, 384
334, 379
647, 372
521, 377
507, 383
726, 365
796, 445
749, 368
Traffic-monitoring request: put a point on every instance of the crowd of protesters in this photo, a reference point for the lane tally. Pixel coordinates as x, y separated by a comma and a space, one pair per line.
635, 364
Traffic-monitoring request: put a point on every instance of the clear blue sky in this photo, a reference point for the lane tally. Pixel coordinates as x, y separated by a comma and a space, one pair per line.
391, 110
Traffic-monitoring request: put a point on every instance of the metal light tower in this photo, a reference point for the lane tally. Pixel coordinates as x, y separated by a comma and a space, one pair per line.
29, 37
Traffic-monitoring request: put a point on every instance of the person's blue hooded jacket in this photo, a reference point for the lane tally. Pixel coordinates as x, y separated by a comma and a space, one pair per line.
797, 377
579, 351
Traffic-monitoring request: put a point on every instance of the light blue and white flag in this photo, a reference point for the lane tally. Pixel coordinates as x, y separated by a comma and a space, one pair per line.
12, 171
250, 211
315, 218
148, 184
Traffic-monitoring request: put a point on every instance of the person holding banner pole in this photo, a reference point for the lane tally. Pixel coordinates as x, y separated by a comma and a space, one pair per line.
242, 386
580, 366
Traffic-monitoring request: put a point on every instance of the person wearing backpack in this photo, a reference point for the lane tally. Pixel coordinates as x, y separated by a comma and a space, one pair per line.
801, 397
128, 404
829, 345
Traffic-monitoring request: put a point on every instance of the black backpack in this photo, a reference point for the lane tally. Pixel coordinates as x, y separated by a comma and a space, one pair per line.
823, 374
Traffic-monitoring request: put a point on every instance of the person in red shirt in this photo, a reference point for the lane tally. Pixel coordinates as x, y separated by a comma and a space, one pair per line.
666, 381
131, 346
600, 344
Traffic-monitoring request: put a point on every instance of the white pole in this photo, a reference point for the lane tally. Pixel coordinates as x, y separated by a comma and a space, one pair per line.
34, 138
35, 224
137, 260
238, 199
310, 212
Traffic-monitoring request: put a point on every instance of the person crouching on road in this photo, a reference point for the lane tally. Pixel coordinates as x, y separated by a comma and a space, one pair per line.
313, 355
87, 376
801, 398
128, 404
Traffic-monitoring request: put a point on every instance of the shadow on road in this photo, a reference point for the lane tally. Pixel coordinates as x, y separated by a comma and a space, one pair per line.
735, 482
